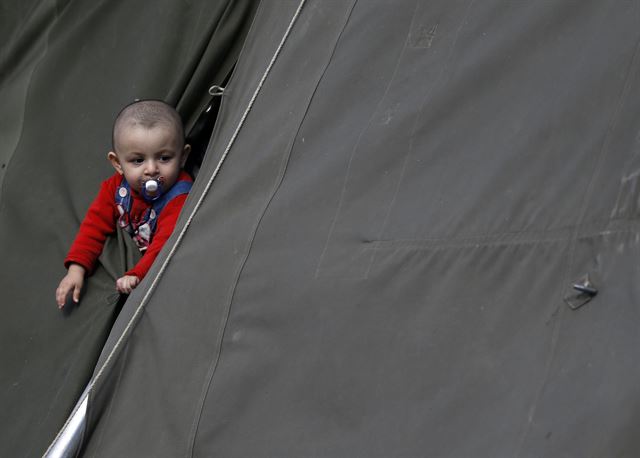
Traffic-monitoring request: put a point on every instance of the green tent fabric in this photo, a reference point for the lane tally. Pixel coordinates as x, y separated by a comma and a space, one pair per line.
66, 68
381, 266
386, 261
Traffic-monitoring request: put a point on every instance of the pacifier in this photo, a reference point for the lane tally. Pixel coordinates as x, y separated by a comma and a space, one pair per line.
152, 189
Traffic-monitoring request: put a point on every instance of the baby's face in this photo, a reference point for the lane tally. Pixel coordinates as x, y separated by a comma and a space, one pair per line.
144, 154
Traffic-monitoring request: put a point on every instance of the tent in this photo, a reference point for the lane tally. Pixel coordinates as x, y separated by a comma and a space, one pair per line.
414, 233
66, 69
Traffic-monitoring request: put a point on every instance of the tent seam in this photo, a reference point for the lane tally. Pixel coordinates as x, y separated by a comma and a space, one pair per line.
278, 184
508, 238
409, 152
628, 83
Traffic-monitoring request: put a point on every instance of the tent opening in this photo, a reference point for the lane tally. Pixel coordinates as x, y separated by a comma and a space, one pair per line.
200, 134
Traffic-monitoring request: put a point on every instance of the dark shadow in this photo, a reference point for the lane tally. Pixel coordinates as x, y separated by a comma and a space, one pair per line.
200, 134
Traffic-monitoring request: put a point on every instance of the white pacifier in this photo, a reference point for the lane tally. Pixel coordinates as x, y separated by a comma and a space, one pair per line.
151, 186
152, 189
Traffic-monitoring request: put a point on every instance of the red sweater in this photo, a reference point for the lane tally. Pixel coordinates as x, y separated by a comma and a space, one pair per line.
101, 221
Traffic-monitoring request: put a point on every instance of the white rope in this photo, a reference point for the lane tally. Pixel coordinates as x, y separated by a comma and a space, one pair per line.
182, 233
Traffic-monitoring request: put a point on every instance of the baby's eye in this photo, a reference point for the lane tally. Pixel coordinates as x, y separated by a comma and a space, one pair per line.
137, 160
165, 158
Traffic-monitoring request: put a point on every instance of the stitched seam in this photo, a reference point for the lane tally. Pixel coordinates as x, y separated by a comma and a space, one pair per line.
600, 160
276, 187
214, 364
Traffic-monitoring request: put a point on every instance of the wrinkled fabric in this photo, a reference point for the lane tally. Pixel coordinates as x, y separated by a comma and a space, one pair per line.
381, 264
66, 69
380, 267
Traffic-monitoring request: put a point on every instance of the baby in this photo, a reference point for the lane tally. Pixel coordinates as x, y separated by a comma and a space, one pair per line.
144, 196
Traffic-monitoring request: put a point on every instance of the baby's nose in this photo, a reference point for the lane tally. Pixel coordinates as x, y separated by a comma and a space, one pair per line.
152, 167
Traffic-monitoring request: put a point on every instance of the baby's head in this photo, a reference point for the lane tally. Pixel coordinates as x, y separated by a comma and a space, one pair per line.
148, 144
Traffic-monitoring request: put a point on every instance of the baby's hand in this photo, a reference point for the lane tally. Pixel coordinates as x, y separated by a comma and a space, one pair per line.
126, 284
73, 281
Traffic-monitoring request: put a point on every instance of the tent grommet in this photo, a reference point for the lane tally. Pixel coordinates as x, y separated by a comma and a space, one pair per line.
216, 91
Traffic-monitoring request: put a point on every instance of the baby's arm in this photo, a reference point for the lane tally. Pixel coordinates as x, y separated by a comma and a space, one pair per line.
73, 281
87, 246
166, 222
98, 223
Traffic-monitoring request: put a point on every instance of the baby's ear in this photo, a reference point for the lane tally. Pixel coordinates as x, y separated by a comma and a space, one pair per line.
185, 155
115, 162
